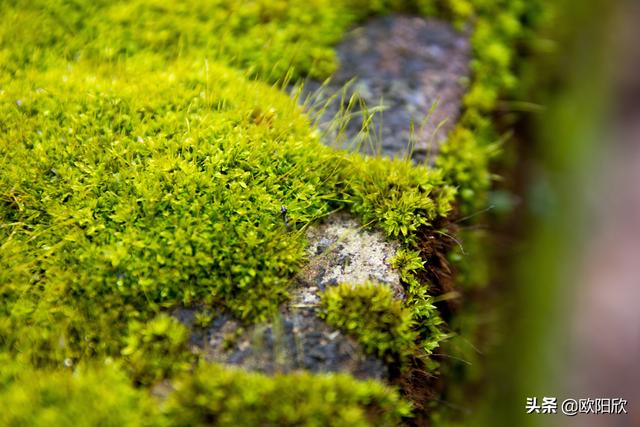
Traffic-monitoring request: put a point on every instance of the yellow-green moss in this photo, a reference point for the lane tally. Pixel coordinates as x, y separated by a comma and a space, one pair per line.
211, 395
88, 397
426, 319
122, 196
371, 314
219, 396
156, 350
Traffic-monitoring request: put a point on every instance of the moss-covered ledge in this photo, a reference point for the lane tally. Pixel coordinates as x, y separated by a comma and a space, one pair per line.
150, 159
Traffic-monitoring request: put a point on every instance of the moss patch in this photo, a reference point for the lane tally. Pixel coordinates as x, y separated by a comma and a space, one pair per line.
121, 197
211, 395
100, 396
229, 397
370, 313
156, 350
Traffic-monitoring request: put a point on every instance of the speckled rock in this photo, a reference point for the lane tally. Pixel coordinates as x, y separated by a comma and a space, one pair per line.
342, 251
296, 339
406, 65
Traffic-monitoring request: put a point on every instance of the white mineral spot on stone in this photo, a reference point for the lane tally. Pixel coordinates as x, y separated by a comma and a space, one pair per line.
342, 251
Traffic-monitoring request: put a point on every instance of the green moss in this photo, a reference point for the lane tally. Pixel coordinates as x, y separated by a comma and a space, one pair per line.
398, 196
426, 319
101, 396
371, 314
107, 31
211, 395
465, 158
122, 197
134, 195
229, 397
156, 350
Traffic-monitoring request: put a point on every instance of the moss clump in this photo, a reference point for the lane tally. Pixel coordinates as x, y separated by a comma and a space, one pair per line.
371, 314
398, 196
228, 397
427, 321
156, 350
121, 197
211, 395
100, 396
269, 39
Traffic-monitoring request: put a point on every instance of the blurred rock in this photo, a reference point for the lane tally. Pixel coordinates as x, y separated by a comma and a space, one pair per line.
406, 64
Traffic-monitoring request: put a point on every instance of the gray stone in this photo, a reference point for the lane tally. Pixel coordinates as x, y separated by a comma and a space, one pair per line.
342, 251
404, 65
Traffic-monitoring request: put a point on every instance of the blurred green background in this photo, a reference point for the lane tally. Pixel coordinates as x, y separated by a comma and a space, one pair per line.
570, 282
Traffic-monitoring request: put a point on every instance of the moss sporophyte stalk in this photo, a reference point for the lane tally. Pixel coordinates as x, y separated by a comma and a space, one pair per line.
151, 159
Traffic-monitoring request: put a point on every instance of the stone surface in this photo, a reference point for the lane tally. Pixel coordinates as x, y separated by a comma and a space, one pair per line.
405, 64
339, 250
342, 251
296, 339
